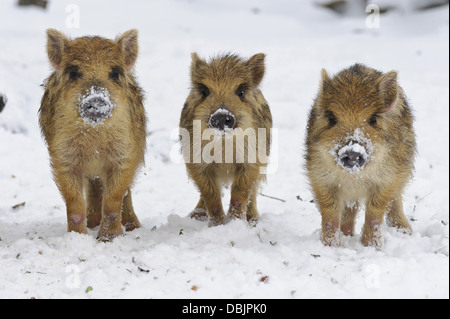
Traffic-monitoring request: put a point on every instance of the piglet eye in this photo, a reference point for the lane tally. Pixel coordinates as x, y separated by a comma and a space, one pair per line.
332, 119
74, 75
203, 90
373, 120
115, 74
74, 72
205, 93
241, 90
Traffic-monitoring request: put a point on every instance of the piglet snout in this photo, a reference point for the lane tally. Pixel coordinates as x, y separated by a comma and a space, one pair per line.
352, 156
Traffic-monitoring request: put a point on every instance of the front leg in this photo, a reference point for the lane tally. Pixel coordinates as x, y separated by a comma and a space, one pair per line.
69, 183
210, 194
244, 185
376, 207
200, 212
327, 200
252, 210
129, 218
396, 217
116, 188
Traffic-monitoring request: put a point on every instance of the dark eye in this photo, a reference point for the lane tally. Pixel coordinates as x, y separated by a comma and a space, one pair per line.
373, 120
74, 72
115, 74
74, 75
332, 119
203, 90
240, 92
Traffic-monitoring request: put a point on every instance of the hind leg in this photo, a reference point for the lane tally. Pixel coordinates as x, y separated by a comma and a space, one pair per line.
395, 217
348, 217
129, 218
94, 200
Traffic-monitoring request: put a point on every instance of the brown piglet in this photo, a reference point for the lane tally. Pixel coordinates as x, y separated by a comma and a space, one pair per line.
93, 120
360, 150
225, 136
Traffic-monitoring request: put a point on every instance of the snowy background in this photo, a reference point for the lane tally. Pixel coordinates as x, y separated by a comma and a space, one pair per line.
172, 256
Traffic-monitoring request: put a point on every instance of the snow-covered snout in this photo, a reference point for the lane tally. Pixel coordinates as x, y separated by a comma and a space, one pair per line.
353, 152
95, 105
222, 119
352, 156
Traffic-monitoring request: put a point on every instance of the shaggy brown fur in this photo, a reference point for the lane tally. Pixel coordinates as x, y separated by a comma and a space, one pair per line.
360, 99
94, 165
233, 83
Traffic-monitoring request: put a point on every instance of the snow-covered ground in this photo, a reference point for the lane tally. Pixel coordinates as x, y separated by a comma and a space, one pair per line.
172, 256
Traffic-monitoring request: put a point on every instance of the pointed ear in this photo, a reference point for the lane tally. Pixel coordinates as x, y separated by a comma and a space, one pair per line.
325, 82
325, 79
388, 89
196, 64
56, 43
257, 68
129, 43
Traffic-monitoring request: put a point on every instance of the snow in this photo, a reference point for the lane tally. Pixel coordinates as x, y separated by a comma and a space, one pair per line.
172, 256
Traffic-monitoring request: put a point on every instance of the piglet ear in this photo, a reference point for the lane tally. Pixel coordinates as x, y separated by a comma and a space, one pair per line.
257, 68
197, 65
388, 89
129, 43
56, 43
325, 83
197, 62
325, 80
